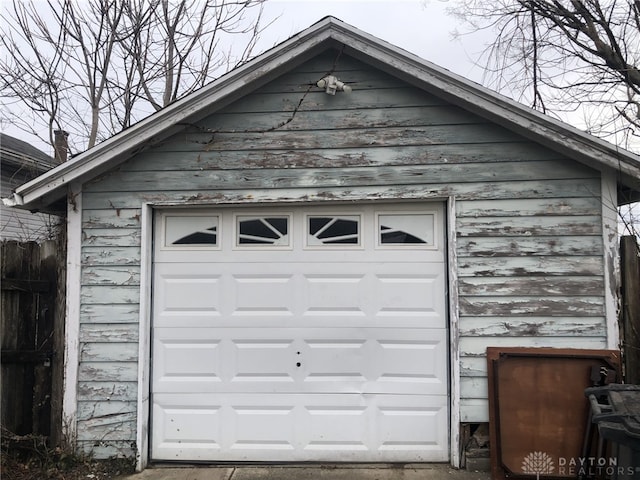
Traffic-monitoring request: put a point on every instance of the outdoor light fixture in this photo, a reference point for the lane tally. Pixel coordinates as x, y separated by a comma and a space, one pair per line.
331, 85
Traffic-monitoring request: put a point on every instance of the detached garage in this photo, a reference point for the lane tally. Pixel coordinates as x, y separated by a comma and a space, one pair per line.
307, 259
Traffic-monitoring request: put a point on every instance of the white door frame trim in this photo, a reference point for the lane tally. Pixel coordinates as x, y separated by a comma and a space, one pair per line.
454, 336
144, 351
144, 343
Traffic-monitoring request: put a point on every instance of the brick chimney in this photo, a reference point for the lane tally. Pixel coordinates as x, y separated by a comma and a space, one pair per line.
60, 147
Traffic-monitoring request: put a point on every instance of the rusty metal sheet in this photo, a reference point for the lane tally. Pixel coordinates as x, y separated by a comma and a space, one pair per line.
538, 412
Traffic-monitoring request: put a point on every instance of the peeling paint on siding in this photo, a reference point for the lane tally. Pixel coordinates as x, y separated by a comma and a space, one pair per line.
528, 223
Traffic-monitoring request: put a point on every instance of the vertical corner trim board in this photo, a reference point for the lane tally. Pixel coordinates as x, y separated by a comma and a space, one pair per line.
72, 327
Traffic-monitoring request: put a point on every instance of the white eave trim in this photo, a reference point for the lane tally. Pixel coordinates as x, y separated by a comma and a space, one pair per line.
495, 107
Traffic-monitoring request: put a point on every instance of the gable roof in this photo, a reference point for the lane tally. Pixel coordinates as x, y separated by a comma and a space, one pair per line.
325, 34
17, 153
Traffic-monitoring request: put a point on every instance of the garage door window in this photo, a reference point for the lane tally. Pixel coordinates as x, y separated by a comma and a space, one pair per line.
409, 229
333, 230
268, 230
182, 230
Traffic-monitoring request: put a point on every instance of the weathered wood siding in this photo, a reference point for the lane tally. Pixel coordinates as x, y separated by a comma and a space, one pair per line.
528, 221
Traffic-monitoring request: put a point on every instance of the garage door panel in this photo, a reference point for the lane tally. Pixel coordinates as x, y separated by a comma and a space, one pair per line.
190, 291
266, 294
192, 428
186, 360
301, 360
263, 427
185, 296
337, 427
300, 352
263, 362
407, 295
195, 297
412, 428
376, 361
299, 427
336, 293
366, 429
336, 364
319, 300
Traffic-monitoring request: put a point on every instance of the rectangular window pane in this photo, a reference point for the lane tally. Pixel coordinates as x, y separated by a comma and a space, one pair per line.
406, 229
190, 230
333, 230
258, 230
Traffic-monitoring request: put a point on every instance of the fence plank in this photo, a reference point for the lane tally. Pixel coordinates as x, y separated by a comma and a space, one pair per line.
19, 261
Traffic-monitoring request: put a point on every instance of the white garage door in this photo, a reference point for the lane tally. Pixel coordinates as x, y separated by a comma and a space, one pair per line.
300, 334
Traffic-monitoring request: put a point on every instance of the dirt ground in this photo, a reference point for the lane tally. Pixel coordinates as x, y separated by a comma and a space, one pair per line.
28, 458
85, 469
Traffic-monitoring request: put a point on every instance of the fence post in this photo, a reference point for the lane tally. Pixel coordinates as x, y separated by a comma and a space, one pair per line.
57, 367
44, 340
630, 307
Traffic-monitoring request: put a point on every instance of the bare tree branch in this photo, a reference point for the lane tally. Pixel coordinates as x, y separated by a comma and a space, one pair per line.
95, 68
565, 56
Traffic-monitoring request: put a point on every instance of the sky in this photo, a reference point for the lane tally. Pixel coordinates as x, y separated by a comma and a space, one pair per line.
421, 27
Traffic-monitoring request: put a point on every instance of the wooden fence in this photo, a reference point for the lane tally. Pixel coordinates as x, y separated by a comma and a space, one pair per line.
630, 307
32, 326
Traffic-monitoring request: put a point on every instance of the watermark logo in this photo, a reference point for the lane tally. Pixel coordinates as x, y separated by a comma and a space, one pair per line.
537, 463
541, 463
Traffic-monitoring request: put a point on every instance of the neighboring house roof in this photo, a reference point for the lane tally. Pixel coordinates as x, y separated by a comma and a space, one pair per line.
333, 33
21, 162
18, 153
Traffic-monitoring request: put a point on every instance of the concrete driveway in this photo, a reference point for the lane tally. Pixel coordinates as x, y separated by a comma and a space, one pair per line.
309, 472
